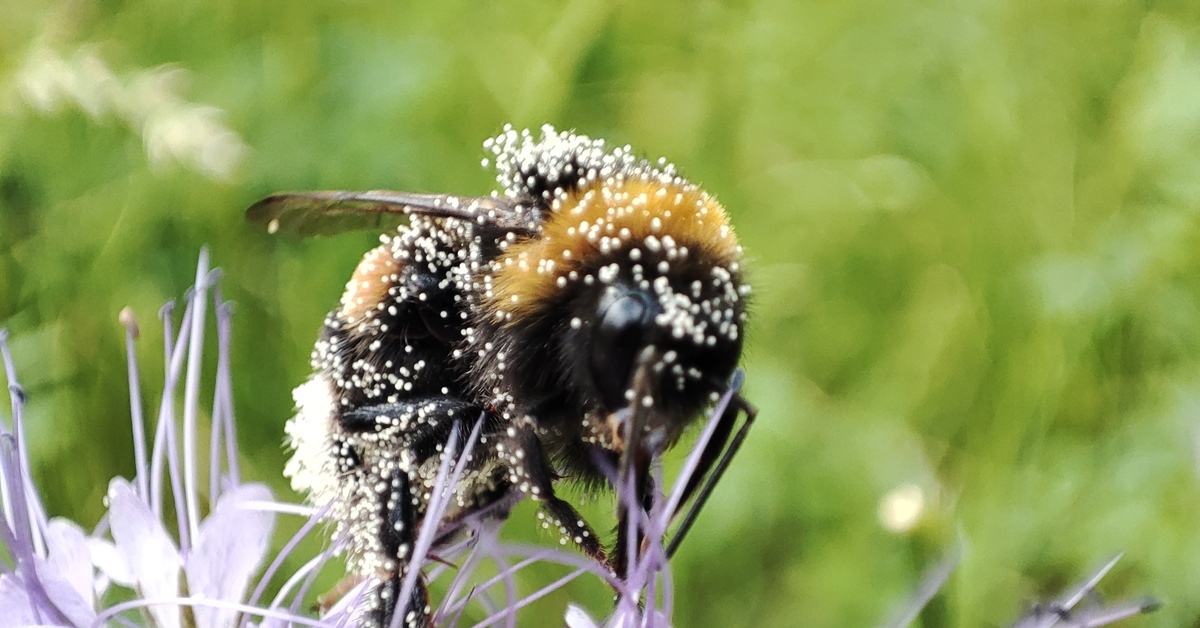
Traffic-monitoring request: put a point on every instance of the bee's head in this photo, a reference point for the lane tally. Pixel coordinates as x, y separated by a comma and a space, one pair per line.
634, 275
682, 328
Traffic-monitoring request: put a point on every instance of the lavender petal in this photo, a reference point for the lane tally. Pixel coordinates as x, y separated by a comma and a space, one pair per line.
69, 554
146, 548
15, 601
62, 593
230, 548
108, 560
578, 618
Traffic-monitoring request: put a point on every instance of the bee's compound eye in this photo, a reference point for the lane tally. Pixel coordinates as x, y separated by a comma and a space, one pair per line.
617, 339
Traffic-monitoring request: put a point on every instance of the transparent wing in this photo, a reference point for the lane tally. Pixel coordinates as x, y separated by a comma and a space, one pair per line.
334, 211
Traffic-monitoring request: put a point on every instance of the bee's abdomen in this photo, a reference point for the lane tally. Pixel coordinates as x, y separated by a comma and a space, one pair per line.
398, 323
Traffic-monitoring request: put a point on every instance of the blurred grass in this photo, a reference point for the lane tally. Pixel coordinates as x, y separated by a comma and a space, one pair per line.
974, 232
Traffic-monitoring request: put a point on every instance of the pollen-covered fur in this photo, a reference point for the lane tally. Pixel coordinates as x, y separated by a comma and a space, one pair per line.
610, 221
590, 269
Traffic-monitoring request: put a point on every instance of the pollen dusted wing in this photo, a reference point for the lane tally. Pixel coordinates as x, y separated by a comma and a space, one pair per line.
335, 211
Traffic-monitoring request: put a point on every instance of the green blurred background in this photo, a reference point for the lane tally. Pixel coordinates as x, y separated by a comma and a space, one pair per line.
973, 230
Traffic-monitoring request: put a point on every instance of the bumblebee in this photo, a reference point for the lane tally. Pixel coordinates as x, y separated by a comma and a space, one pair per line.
588, 311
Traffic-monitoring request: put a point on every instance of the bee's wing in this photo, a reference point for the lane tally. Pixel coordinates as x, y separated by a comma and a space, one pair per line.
322, 213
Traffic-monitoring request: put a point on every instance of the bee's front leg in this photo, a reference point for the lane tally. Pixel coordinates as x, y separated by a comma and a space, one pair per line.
531, 474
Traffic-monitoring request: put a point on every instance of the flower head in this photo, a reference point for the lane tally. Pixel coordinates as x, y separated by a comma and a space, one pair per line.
194, 567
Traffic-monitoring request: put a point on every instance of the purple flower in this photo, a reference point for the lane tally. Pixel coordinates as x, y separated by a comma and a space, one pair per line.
1080, 606
51, 579
60, 574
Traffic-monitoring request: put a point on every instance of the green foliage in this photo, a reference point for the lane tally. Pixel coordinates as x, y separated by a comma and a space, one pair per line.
974, 231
